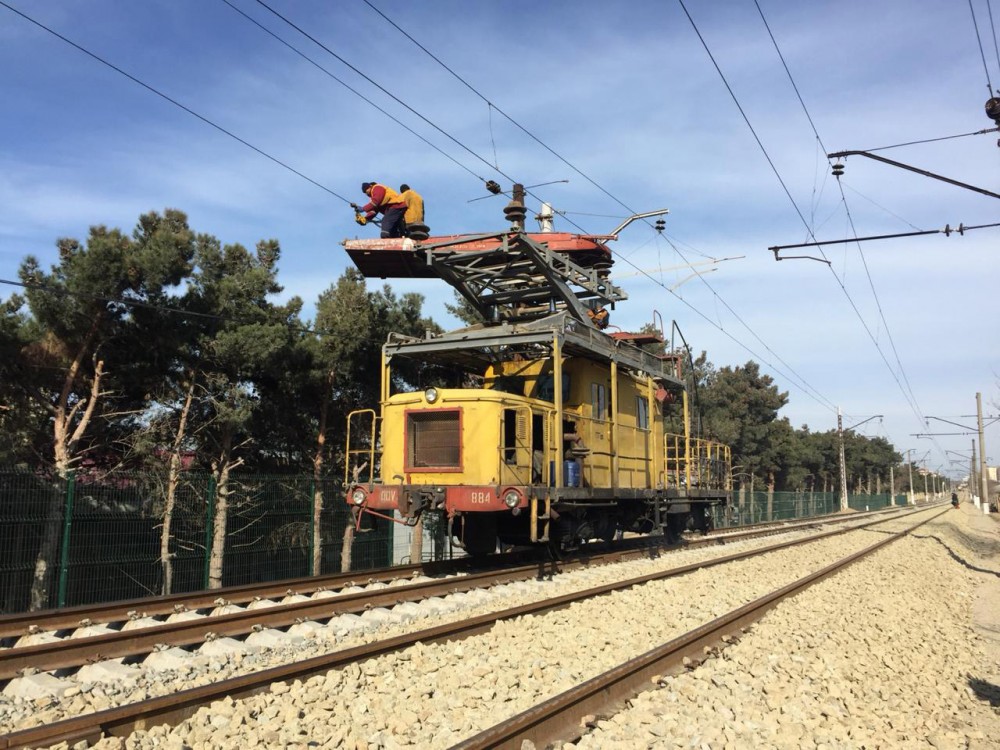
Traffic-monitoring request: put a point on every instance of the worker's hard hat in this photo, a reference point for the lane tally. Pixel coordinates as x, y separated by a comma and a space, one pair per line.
365, 186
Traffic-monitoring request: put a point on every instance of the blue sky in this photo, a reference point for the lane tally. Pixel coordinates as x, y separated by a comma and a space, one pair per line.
626, 93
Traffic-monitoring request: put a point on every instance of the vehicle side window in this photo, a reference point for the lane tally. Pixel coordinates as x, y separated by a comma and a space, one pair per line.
641, 413
599, 401
547, 387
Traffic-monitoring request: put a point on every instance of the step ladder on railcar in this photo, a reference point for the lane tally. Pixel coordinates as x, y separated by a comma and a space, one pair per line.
360, 447
543, 534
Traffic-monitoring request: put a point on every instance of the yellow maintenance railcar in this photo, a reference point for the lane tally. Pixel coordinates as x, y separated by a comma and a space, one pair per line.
559, 433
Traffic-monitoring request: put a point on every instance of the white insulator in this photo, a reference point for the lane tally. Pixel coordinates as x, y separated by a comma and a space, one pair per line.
544, 218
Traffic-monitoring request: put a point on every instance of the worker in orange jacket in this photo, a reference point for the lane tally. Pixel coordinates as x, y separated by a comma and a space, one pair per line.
414, 205
389, 203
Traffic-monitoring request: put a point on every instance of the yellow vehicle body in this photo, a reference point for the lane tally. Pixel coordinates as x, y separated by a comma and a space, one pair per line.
558, 432
507, 448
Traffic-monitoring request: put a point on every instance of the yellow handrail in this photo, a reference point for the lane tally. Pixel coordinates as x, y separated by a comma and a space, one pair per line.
357, 453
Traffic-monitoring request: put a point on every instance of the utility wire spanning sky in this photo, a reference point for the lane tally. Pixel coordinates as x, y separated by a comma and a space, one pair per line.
262, 132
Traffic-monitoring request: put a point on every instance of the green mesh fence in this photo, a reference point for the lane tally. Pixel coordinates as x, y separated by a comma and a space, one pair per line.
747, 508
90, 539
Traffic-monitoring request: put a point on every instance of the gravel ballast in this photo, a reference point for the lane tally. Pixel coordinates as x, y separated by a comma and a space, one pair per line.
178, 670
886, 654
431, 696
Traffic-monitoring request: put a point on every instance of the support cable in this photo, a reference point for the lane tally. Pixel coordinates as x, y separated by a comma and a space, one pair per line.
996, 47
979, 41
353, 90
572, 166
854, 306
510, 119
173, 101
932, 140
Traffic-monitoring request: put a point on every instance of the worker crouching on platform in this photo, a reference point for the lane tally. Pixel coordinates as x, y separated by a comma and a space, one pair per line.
389, 203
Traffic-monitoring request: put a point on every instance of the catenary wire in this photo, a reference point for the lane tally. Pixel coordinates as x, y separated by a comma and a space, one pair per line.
326, 189
796, 207
353, 90
850, 218
595, 184
993, 29
979, 41
173, 101
510, 119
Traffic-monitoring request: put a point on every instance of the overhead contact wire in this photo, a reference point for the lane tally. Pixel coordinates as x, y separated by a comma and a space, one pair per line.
510, 119
171, 100
631, 210
350, 88
979, 41
907, 396
912, 399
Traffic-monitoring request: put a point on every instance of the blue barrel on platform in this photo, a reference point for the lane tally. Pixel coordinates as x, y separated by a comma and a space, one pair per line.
571, 473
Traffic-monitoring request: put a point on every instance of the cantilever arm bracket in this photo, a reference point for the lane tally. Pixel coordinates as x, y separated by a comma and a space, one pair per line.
924, 172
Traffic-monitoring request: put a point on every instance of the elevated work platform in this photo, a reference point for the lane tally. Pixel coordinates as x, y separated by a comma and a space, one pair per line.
510, 276
404, 258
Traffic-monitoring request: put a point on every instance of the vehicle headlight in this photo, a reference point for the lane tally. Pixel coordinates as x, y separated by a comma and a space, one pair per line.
358, 496
431, 394
511, 498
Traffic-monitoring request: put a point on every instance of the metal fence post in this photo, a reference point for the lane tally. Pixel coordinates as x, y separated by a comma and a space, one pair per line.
64, 552
209, 528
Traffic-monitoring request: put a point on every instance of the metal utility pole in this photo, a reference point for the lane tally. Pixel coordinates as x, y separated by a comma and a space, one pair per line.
983, 478
909, 465
892, 486
843, 463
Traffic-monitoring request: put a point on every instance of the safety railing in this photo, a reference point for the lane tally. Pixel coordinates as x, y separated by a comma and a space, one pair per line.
708, 464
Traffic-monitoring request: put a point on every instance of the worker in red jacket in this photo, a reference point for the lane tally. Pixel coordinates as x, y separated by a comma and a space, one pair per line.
389, 203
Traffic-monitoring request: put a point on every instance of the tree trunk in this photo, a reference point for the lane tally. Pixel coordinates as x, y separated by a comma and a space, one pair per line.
173, 480
48, 549
65, 439
318, 460
417, 542
345, 550
221, 469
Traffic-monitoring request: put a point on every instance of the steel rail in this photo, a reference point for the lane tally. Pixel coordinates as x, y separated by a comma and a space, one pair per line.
75, 652
559, 718
22, 623
174, 708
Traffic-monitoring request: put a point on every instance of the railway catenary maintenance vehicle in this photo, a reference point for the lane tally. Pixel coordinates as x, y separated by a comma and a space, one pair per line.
560, 432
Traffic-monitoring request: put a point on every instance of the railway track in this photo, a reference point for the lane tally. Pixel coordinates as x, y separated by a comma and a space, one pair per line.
140, 634
561, 718
19, 625
176, 707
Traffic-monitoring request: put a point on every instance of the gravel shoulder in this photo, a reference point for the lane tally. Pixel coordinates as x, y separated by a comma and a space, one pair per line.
899, 651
